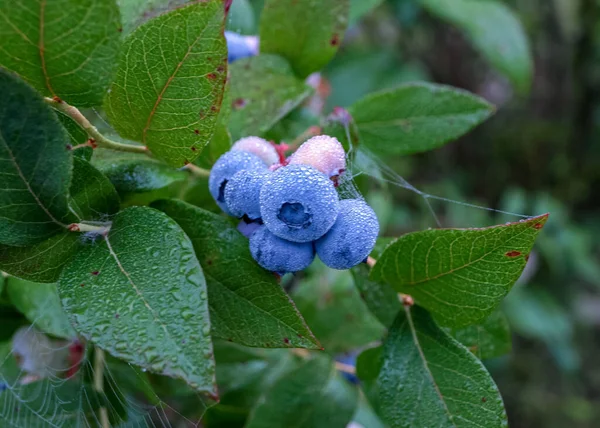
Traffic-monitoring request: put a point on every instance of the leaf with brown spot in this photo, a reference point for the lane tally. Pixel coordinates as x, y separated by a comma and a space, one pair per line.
459, 275
170, 71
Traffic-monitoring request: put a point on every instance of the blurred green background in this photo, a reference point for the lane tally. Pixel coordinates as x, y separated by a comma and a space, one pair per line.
539, 153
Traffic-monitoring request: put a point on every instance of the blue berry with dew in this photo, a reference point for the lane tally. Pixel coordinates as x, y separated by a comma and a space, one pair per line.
279, 255
322, 152
242, 193
225, 168
259, 147
352, 237
298, 203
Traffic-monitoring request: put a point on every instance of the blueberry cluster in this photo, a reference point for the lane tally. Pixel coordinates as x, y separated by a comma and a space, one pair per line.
290, 208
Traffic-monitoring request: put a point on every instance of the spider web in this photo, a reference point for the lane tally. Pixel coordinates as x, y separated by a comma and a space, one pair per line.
49, 382
361, 161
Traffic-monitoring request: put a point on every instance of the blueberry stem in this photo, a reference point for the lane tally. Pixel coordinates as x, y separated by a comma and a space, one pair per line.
371, 262
96, 138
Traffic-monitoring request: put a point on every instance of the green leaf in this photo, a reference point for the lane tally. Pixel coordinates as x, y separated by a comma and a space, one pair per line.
263, 90
35, 165
307, 33
313, 395
334, 311
169, 84
380, 298
429, 379
41, 305
64, 48
137, 177
489, 338
495, 30
41, 262
460, 275
140, 294
416, 117
93, 197
247, 305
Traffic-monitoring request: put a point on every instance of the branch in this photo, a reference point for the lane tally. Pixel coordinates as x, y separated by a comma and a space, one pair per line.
96, 138
197, 171
99, 383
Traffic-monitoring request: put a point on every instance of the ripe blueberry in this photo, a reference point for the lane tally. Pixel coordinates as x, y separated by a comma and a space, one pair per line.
322, 152
239, 46
352, 237
259, 147
278, 255
298, 203
242, 193
225, 168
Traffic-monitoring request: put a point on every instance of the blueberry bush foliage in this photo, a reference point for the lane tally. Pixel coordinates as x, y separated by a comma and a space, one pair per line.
160, 181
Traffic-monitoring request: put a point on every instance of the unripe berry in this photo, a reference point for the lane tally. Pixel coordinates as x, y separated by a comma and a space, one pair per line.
225, 168
352, 238
322, 152
278, 255
298, 203
259, 147
242, 193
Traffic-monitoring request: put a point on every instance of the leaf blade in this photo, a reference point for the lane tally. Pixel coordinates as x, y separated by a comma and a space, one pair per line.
459, 288
274, 92
113, 300
247, 305
35, 165
39, 44
307, 33
443, 384
416, 117
181, 58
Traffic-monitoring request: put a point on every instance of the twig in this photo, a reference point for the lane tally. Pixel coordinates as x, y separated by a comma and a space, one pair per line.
86, 227
197, 171
310, 132
96, 138
99, 383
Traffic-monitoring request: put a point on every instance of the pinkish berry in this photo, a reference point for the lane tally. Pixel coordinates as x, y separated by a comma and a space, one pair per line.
259, 147
322, 152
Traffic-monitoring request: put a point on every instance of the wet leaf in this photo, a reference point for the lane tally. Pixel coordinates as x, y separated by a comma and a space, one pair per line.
64, 48
263, 90
169, 84
140, 294
307, 33
247, 305
460, 275
429, 379
416, 117
35, 165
